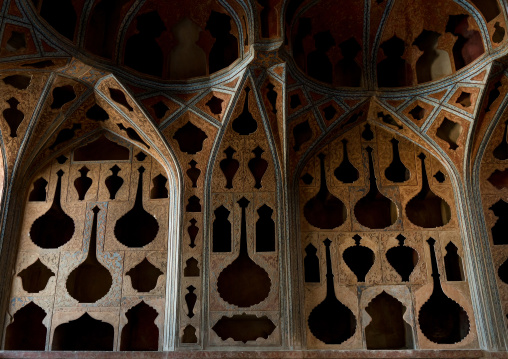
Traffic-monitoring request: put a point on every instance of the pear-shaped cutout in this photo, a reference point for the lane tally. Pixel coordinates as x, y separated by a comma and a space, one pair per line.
324, 210
346, 172
137, 227
258, 166
331, 321
501, 151
243, 283
114, 182
13, 116
375, 210
402, 258
427, 209
245, 124
54, 228
359, 259
35, 277
193, 173
441, 319
83, 183
144, 276
90, 281
229, 166
396, 172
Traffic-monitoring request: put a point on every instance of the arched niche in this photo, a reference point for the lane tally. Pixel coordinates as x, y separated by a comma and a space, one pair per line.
354, 209
79, 192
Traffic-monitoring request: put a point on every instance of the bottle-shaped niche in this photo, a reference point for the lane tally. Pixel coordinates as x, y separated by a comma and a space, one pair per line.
137, 227
374, 210
245, 124
54, 228
501, 151
441, 319
90, 281
243, 283
396, 172
324, 210
346, 172
427, 209
331, 321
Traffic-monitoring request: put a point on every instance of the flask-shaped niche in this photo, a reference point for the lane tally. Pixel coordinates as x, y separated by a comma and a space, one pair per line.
324, 210
245, 124
243, 283
374, 210
54, 228
441, 319
396, 172
90, 281
346, 172
331, 321
137, 227
427, 209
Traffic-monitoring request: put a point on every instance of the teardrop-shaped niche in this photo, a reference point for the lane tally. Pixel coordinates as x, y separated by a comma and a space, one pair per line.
243, 283
137, 227
55, 227
441, 319
375, 210
90, 281
359, 259
402, 258
331, 321
324, 210
427, 209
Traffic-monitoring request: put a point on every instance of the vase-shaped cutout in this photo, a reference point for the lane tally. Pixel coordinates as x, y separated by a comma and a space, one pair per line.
54, 228
324, 210
90, 281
